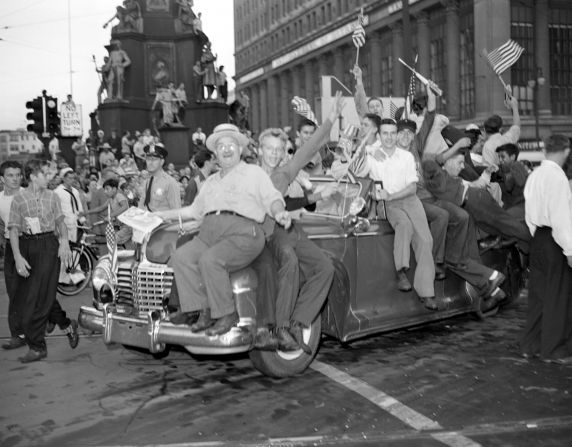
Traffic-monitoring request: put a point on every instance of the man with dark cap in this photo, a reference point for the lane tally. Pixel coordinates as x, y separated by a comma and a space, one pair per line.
493, 137
445, 184
548, 204
231, 207
162, 192
410, 140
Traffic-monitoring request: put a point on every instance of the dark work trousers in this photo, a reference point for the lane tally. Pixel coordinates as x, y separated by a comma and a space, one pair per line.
267, 274
438, 220
295, 256
491, 217
461, 245
12, 279
37, 292
225, 243
548, 329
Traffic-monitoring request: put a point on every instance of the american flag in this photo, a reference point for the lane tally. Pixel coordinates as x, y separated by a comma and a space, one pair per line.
111, 239
411, 90
358, 35
301, 107
504, 56
392, 109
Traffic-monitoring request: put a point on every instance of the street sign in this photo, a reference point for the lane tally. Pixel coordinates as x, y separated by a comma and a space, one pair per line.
71, 124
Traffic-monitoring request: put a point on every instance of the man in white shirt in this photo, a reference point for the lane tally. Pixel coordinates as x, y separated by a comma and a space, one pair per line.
396, 169
548, 214
493, 137
70, 201
199, 136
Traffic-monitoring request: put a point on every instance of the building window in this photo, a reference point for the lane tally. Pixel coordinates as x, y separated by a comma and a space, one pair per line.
437, 72
387, 72
521, 30
560, 50
467, 67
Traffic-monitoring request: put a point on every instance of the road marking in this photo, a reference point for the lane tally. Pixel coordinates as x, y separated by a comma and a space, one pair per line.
401, 411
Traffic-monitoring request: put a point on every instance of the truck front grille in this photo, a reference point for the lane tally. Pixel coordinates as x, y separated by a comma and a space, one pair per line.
152, 283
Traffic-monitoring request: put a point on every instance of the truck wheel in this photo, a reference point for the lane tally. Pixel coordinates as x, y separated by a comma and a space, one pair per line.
285, 364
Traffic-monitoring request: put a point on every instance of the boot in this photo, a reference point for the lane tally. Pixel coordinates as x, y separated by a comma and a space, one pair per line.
285, 340
223, 324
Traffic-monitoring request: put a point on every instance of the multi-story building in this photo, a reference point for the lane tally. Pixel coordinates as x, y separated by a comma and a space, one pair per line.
283, 46
18, 144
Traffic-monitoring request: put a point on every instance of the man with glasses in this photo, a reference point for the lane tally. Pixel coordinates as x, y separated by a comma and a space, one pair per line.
162, 192
231, 207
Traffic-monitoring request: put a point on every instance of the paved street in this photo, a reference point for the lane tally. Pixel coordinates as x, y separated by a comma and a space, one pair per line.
457, 383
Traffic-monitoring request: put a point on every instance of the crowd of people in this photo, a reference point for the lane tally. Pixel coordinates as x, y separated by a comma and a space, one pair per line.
449, 194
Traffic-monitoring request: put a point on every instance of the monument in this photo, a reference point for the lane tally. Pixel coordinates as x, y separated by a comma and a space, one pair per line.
149, 74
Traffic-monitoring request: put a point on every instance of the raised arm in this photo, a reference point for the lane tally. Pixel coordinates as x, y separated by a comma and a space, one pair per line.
360, 99
305, 154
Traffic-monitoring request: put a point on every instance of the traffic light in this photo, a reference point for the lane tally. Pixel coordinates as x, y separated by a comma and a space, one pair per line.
36, 115
52, 117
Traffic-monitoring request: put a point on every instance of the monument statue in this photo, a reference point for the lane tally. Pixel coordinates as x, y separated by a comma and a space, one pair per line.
208, 64
103, 74
169, 114
129, 16
118, 61
186, 15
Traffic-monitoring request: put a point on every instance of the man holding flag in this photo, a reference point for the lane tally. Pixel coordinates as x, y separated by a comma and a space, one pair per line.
493, 137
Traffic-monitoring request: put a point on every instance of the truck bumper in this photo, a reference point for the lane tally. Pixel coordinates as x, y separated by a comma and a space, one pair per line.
151, 333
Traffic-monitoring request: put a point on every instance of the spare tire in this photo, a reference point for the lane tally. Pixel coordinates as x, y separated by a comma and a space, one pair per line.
285, 364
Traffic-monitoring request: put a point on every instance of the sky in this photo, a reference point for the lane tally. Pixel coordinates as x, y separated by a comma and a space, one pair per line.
35, 48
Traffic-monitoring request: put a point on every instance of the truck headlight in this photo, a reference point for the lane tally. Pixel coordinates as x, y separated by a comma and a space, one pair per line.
100, 278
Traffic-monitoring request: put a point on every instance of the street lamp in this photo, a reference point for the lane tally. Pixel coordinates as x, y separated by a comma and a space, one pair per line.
534, 84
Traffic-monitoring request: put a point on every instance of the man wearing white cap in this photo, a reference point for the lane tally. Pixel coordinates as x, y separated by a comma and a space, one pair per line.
70, 201
231, 206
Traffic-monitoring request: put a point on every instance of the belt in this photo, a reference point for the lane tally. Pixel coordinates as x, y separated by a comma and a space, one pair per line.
37, 236
227, 212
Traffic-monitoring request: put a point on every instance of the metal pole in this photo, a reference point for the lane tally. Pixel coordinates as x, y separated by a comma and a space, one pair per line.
536, 111
70, 47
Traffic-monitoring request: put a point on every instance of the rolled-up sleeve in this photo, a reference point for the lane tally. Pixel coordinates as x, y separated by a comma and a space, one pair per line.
410, 171
15, 220
267, 193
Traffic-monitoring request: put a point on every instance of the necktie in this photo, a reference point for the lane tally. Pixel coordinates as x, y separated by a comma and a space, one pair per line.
148, 193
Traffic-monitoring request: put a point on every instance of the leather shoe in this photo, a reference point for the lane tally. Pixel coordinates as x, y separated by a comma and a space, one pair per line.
33, 356
489, 243
429, 302
223, 324
286, 342
296, 331
50, 327
494, 299
72, 334
265, 340
440, 274
492, 284
14, 343
179, 317
203, 322
403, 283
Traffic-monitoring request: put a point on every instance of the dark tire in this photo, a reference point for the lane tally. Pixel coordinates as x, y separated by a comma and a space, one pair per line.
81, 260
286, 364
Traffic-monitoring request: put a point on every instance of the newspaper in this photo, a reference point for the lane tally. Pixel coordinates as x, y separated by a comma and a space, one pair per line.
143, 222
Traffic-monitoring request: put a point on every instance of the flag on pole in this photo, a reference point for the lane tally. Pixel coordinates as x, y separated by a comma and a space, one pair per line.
504, 56
301, 107
411, 90
392, 108
358, 35
111, 240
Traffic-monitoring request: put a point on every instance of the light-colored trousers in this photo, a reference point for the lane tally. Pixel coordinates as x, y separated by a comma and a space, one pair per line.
408, 219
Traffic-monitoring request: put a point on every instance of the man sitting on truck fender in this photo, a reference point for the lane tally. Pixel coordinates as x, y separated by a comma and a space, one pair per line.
231, 206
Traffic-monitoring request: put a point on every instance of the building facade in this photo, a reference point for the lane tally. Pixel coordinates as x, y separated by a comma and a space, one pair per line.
16, 144
282, 47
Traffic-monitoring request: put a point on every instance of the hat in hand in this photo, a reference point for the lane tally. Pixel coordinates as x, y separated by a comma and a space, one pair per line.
451, 135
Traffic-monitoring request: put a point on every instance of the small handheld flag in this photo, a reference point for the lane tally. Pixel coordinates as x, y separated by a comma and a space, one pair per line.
301, 107
504, 56
358, 34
